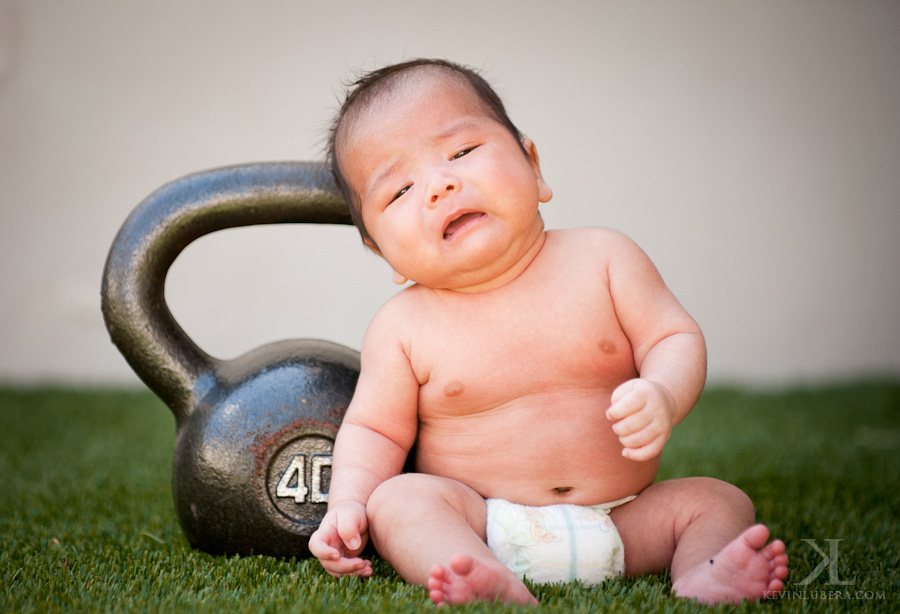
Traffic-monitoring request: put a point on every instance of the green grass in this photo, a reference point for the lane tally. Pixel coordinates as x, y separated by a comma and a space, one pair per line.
87, 522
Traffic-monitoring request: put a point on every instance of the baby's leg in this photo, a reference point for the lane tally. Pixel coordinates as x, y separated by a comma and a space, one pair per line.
432, 531
703, 530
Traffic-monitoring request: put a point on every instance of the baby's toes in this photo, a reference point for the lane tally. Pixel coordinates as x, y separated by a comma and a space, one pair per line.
775, 586
773, 549
756, 537
439, 573
462, 564
437, 597
780, 573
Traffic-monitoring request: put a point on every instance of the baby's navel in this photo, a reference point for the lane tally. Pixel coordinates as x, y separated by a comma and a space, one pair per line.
562, 490
454, 388
607, 347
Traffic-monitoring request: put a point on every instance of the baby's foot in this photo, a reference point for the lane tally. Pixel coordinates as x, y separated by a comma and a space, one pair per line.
746, 568
468, 580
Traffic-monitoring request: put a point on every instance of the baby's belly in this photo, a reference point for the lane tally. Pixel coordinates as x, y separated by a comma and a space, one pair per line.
539, 450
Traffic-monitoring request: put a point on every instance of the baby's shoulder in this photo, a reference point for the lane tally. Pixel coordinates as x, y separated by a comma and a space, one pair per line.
396, 308
591, 234
399, 310
591, 243
388, 328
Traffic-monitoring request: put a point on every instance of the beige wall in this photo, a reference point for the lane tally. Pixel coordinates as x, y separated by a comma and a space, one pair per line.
752, 149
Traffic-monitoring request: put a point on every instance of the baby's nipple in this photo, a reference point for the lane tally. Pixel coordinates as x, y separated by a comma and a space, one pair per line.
454, 388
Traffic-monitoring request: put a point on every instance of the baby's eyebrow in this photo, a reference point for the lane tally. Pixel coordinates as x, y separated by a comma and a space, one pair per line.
454, 128
385, 173
388, 171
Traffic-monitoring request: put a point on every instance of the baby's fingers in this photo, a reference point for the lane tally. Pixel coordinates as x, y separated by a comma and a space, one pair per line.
626, 406
350, 532
348, 567
645, 453
642, 445
631, 425
321, 547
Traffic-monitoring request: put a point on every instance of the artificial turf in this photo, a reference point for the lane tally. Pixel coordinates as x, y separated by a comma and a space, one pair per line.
87, 521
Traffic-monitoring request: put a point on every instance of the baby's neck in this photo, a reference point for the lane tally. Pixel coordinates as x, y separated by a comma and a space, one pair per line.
510, 274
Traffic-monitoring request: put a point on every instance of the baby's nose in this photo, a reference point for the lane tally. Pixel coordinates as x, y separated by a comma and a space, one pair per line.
442, 187
434, 197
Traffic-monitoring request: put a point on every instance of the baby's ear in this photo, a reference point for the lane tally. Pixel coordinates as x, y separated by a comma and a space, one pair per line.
544, 191
398, 278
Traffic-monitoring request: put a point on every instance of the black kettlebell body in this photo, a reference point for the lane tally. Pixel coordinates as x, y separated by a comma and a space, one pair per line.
252, 462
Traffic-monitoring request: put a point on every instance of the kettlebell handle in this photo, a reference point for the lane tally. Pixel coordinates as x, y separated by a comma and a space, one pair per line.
161, 227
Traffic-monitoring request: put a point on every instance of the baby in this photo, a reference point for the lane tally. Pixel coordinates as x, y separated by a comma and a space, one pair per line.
539, 374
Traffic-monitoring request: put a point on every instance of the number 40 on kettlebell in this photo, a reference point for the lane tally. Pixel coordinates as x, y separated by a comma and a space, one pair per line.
293, 481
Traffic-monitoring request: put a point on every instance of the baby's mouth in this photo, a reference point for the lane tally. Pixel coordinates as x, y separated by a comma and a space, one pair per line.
454, 226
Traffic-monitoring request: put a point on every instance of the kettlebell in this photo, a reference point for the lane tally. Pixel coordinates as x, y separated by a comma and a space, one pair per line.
252, 463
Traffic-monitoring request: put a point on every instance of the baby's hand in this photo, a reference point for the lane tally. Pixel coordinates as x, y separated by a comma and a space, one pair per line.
340, 539
643, 413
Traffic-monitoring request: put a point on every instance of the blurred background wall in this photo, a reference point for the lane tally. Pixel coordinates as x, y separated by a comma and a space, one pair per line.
751, 148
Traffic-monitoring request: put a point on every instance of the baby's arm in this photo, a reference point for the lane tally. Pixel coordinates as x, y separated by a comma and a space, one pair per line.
669, 353
375, 437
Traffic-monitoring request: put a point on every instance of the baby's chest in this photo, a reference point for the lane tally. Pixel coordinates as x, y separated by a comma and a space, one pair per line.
479, 359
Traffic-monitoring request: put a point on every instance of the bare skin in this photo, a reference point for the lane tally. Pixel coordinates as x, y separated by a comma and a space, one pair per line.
746, 568
537, 367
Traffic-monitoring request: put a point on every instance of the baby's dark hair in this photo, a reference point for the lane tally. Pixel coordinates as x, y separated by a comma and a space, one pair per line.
368, 88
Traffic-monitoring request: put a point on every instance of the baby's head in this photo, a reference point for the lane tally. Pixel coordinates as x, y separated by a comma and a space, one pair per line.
439, 181
375, 88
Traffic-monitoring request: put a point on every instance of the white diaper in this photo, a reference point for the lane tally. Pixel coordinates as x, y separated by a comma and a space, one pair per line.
556, 543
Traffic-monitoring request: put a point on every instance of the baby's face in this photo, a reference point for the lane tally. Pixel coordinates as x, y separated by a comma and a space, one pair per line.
445, 190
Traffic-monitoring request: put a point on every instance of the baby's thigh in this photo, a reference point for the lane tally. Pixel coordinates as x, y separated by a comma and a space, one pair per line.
415, 497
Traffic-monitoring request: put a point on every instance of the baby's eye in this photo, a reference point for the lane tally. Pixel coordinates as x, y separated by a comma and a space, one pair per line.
460, 154
399, 194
